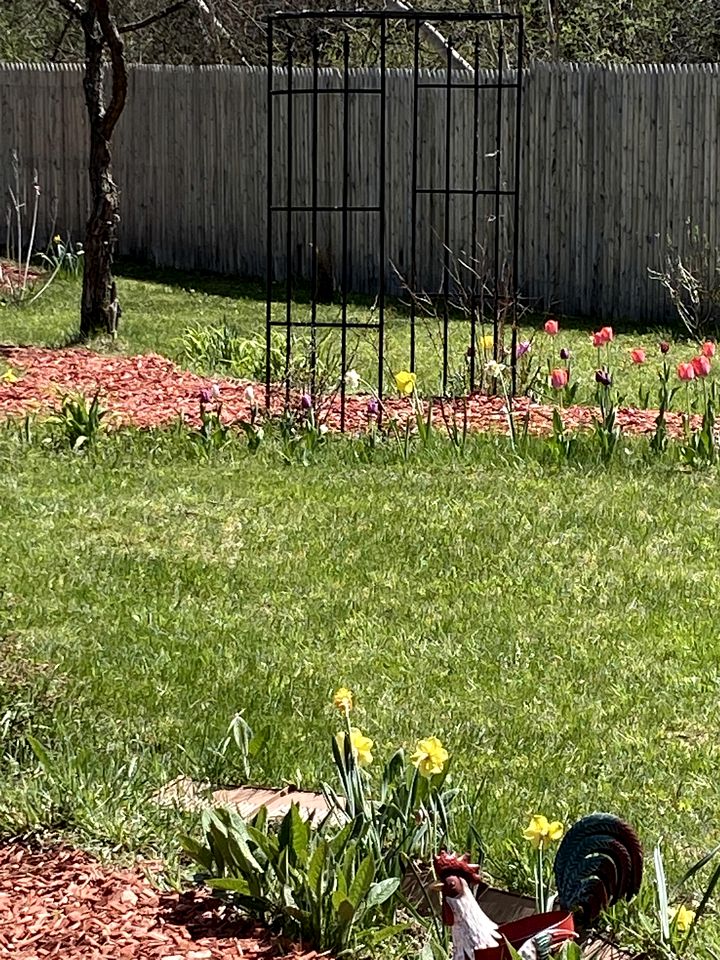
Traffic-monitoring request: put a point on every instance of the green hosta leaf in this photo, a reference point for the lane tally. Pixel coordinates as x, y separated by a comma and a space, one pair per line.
373, 937
316, 867
380, 892
570, 951
198, 851
338, 843
345, 912
361, 881
236, 884
294, 835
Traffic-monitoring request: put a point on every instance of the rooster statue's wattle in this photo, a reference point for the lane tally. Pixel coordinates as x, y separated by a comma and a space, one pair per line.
599, 862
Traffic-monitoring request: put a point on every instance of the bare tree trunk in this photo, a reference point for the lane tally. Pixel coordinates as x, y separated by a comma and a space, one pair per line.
100, 310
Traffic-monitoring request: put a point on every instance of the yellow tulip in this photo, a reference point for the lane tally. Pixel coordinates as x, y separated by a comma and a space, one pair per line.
430, 757
343, 699
405, 382
488, 342
57, 238
683, 919
541, 833
361, 747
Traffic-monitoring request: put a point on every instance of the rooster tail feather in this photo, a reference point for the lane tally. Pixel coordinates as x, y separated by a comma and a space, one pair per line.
599, 862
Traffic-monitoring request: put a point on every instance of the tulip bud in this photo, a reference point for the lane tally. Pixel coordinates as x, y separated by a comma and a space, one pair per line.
603, 378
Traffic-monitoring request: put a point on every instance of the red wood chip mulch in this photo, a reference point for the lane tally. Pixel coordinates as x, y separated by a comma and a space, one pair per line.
151, 390
62, 903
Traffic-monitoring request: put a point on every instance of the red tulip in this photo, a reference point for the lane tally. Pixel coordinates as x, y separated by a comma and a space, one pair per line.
603, 336
708, 349
558, 378
637, 355
701, 365
552, 327
686, 371
664, 347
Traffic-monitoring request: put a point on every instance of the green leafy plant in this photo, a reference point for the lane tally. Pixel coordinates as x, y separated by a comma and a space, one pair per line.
212, 434
62, 257
222, 347
319, 889
252, 428
562, 442
300, 433
78, 420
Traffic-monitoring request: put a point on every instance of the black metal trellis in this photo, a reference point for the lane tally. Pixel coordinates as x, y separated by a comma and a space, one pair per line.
296, 45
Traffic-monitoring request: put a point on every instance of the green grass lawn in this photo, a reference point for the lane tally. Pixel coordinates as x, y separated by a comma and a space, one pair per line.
553, 626
160, 307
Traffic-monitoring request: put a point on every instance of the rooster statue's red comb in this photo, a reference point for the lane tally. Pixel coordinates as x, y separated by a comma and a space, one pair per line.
450, 865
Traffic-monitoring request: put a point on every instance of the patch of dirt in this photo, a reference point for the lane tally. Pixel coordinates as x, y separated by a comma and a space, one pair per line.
151, 390
63, 903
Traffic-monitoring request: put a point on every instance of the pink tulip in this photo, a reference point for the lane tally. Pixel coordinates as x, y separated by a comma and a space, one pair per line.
601, 337
701, 365
637, 355
708, 349
558, 378
686, 371
552, 327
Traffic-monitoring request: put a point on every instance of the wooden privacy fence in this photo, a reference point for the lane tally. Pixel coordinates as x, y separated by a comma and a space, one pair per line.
615, 159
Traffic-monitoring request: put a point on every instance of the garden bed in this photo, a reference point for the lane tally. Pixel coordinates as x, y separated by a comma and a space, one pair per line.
62, 902
150, 391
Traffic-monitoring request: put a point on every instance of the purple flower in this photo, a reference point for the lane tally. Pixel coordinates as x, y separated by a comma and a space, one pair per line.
306, 401
522, 348
470, 352
373, 407
215, 391
664, 346
603, 377
206, 395
564, 354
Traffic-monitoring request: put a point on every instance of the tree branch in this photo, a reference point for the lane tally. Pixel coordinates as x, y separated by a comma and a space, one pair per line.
72, 7
61, 38
116, 50
141, 24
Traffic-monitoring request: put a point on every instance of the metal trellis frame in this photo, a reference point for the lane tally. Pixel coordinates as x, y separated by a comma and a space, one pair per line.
483, 63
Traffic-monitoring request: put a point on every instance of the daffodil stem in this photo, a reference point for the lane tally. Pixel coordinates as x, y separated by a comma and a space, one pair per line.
540, 886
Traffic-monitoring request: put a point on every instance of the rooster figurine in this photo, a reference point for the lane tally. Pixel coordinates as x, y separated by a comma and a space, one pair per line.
598, 863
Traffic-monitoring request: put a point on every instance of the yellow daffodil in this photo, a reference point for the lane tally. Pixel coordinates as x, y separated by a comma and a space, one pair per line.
430, 757
57, 238
361, 746
488, 341
541, 833
683, 919
342, 699
405, 382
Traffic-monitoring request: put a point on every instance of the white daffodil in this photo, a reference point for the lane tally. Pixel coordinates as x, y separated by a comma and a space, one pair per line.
495, 369
352, 380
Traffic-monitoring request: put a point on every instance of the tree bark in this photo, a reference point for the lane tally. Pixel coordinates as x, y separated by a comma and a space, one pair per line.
100, 310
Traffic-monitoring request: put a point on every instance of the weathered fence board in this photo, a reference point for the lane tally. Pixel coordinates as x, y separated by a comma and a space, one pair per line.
615, 159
